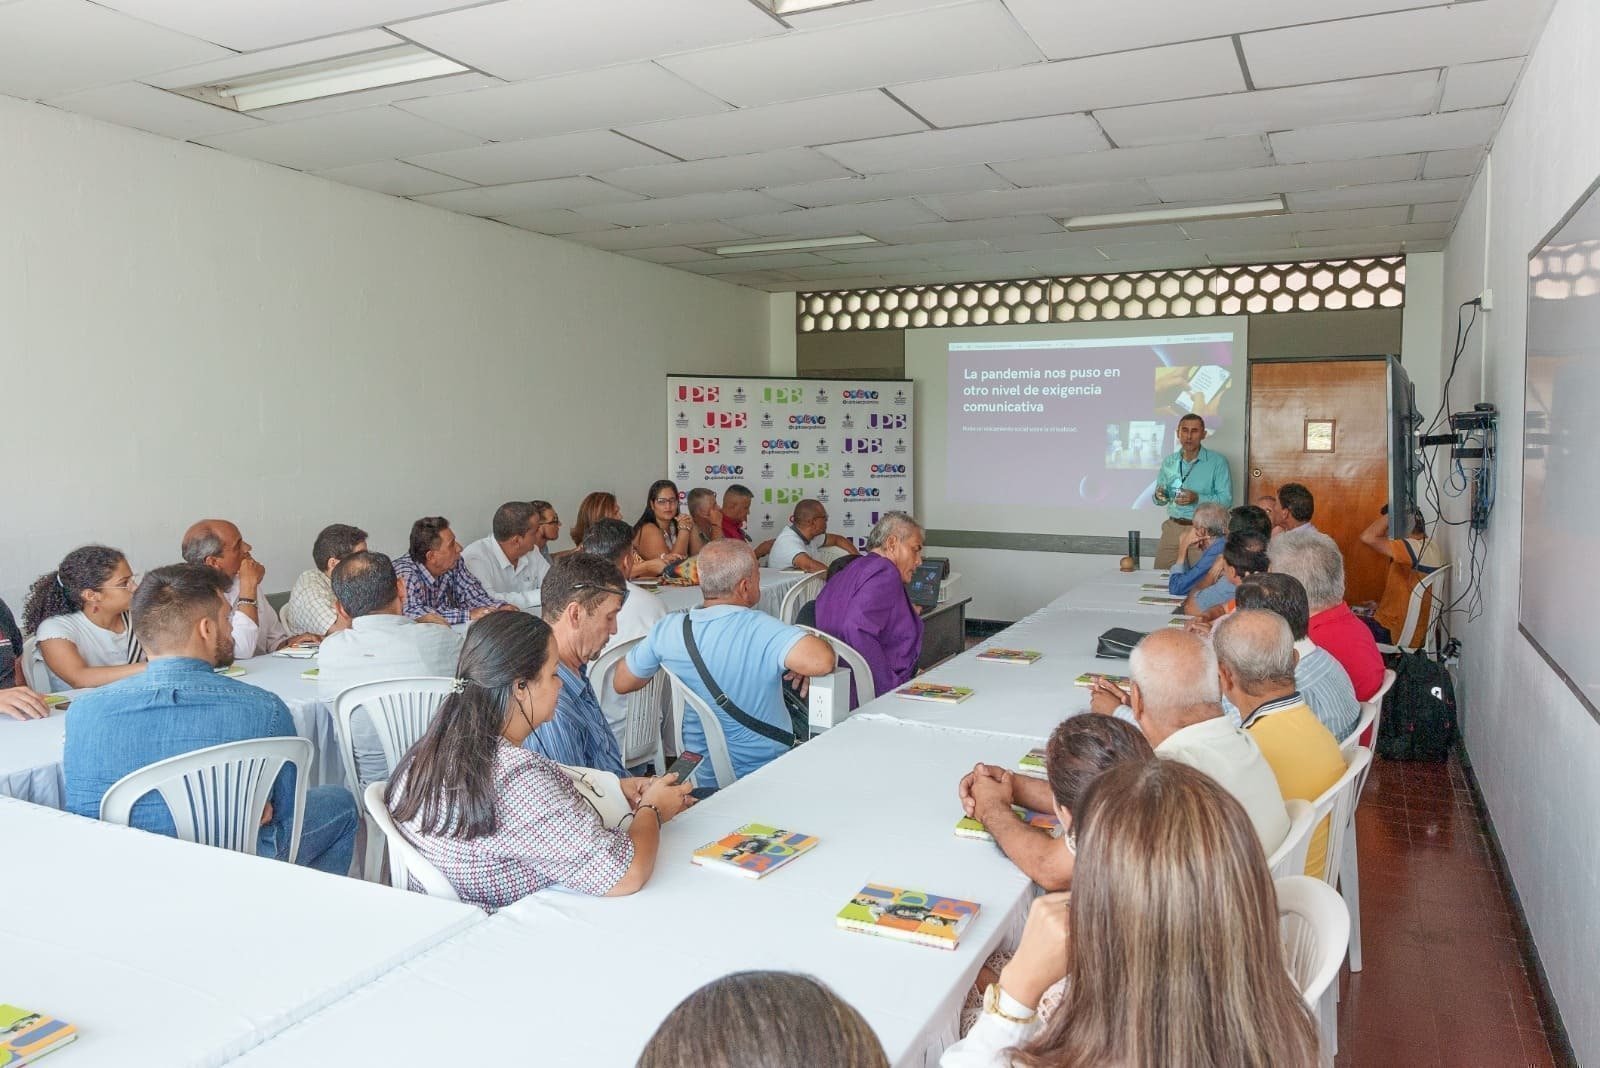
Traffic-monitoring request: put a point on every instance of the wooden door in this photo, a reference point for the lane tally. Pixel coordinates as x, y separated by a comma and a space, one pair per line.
1345, 465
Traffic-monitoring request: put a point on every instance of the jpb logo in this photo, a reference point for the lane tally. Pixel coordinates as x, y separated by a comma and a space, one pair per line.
699, 445
727, 420
812, 471
863, 445
789, 395
783, 496
886, 422
699, 394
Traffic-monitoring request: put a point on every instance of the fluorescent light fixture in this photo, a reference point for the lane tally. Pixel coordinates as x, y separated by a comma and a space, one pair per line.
791, 7
1272, 206
797, 243
328, 77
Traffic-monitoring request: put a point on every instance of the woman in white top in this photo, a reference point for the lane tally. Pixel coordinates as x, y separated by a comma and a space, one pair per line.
79, 614
1168, 941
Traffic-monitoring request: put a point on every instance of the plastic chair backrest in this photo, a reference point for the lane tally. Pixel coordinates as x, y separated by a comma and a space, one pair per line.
641, 734
799, 594
218, 794
1290, 856
860, 670
400, 711
1407, 638
1338, 805
405, 862
710, 726
34, 671
1315, 928
1366, 732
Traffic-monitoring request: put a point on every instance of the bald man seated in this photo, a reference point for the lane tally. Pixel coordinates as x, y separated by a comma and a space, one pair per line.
218, 544
805, 543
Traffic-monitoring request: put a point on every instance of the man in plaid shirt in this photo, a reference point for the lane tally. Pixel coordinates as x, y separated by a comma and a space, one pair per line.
439, 588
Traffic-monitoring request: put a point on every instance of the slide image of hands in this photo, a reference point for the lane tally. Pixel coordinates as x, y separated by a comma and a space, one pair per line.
1183, 391
1134, 445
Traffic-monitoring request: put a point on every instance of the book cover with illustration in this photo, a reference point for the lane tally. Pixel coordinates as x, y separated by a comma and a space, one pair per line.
971, 827
753, 850
57, 702
1164, 601
26, 1036
1010, 656
934, 691
1086, 680
311, 673
909, 915
233, 671
1032, 763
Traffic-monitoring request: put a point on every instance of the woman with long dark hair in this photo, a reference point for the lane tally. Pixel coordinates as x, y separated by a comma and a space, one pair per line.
499, 821
661, 530
79, 614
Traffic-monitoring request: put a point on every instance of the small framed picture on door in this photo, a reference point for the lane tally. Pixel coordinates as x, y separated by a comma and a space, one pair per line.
1319, 435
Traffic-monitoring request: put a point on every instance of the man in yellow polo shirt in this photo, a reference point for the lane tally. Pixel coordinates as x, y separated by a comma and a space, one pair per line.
1255, 665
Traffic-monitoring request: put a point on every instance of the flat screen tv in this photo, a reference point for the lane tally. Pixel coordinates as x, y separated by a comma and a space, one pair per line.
1405, 455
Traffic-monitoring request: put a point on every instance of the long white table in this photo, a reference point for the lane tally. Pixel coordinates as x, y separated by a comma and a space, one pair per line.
166, 953
774, 584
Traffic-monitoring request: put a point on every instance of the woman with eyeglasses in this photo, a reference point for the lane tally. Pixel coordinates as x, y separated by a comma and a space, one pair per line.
499, 821
79, 614
662, 531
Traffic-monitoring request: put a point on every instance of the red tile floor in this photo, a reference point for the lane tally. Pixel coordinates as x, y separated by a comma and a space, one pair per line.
1445, 979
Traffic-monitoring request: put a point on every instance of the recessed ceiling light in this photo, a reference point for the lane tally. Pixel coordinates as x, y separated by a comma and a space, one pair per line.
328, 77
1272, 206
798, 243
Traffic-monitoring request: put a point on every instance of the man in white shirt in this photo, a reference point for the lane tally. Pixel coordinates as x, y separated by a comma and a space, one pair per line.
1177, 702
612, 539
380, 643
311, 606
218, 543
805, 543
1297, 506
509, 562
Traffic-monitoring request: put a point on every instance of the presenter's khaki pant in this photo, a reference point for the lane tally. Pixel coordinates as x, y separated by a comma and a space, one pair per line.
1167, 551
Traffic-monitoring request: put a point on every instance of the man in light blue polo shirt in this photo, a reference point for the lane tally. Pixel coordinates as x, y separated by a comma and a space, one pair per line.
746, 652
1189, 476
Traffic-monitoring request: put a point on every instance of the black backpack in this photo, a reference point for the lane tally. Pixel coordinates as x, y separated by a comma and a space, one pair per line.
1419, 712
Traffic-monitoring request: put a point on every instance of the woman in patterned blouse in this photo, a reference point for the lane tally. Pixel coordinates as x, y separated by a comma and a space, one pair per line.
500, 821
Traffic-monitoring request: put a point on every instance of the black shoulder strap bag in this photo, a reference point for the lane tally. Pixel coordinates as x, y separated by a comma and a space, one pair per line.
740, 716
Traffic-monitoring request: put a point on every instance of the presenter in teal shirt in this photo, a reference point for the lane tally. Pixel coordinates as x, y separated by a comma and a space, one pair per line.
1189, 476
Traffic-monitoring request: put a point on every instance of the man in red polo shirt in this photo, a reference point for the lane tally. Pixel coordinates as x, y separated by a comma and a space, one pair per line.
735, 511
1315, 560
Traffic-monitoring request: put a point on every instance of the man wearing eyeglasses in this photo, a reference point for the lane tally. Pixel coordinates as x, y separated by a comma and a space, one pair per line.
549, 526
508, 562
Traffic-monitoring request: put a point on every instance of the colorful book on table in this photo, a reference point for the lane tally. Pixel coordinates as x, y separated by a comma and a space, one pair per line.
233, 671
1168, 601
26, 1036
57, 702
1086, 680
934, 691
311, 673
1032, 763
971, 827
297, 652
1010, 656
908, 915
753, 850
1157, 587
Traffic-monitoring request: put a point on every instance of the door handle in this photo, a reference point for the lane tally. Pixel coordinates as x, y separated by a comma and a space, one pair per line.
1255, 472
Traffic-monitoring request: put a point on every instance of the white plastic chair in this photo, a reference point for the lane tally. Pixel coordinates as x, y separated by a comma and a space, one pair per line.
400, 711
1338, 805
799, 594
34, 671
710, 726
860, 670
1371, 716
641, 734
1290, 856
405, 862
1314, 927
217, 795
1407, 638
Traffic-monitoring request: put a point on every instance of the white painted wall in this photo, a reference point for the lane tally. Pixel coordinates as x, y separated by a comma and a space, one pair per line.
184, 334
1535, 749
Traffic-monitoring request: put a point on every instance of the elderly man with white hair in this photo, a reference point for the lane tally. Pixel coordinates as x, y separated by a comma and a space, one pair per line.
1177, 704
745, 655
1208, 533
865, 605
1315, 560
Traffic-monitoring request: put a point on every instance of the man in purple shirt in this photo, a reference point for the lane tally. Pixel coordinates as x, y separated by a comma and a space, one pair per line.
865, 605
439, 588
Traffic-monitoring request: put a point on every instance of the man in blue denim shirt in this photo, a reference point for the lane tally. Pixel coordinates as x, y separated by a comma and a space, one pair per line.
182, 617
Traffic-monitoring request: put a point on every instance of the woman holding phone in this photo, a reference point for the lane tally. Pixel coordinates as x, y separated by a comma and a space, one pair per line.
662, 531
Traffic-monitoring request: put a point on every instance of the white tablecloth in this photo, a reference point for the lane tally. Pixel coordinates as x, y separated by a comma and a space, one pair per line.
166, 953
774, 584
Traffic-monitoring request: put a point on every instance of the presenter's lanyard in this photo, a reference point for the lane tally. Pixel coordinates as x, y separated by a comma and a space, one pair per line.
1185, 472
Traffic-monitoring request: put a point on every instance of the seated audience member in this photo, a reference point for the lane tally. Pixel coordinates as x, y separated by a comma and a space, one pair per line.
1170, 946
612, 539
805, 543
806, 614
1318, 676
1318, 564
1269, 504
1205, 535
217, 543
1080, 748
1244, 553
1175, 700
746, 653
79, 614
17, 699
1297, 506
548, 527
311, 607
182, 617
439, 588
661, 531
500, 821
705, 518
22, 702
784, 1021
379, 642
1410, 558
866, 606
736, 514
594, 507
507, 563
1256, 659
1252, 518
581, 598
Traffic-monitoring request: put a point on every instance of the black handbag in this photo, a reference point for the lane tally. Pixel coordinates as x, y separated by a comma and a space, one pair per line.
1117, 643
799, 713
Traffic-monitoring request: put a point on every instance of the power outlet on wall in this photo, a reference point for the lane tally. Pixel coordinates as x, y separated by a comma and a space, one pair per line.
1486, 300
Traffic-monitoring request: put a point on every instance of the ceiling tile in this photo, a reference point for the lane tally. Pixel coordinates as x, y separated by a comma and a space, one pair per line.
1399, 40
393, 177
236, 66
250, 26
769, 261
860, 55
1266, 110
586, 100
1425, 213
843, 219
697, 207
1261, 181
520, 39
1024, 138
388, 94
1386, 137
801, 122
1196, 68
1221, 154
505, 200
1456, 163
1290, 254
977, 229
857, 190
543, 157
752, 171
865, 9
1138, 256
1372, 196
1063, 31
50, 48
1382, 235
1081, 239
340, 140
1043, 200
1298, 221
1480, 85
669, 254
700, 233
556, 222
847, 270
866, 254
155, 110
